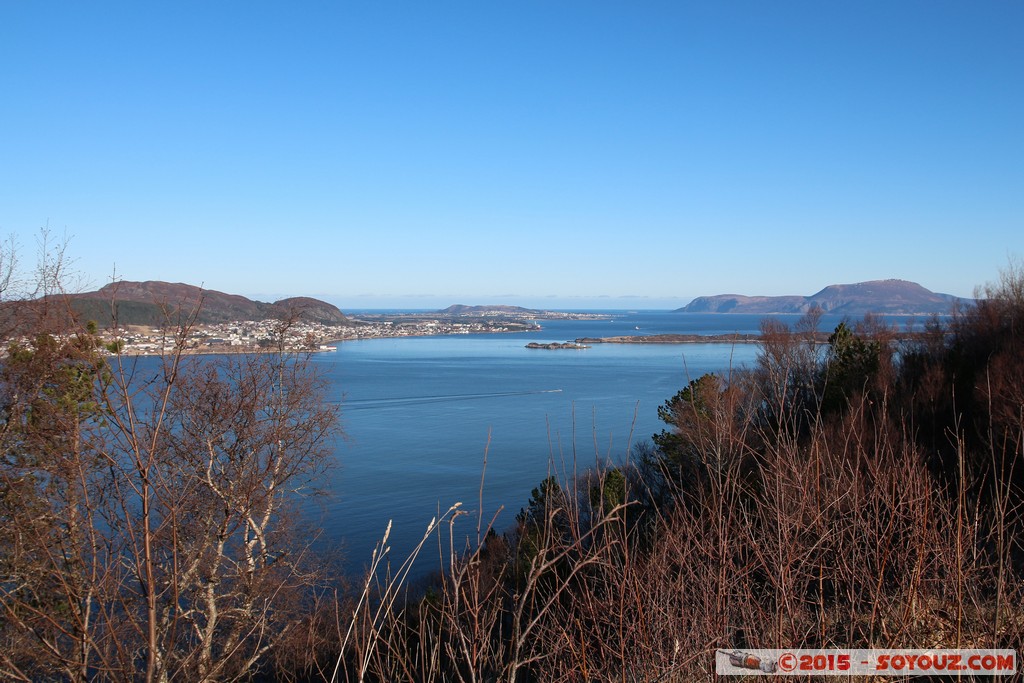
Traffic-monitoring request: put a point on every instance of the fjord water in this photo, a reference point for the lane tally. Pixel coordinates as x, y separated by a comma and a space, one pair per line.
419, 413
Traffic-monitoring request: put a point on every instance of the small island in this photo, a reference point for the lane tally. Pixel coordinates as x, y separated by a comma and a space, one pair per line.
557, 345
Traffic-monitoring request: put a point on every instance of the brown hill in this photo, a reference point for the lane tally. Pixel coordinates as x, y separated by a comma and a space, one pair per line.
309, 308
154, 302
886, 297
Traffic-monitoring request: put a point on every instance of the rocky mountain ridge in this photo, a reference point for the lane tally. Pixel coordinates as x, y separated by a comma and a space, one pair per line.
884, 297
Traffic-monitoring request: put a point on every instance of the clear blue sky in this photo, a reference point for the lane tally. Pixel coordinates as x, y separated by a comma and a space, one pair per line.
558, 153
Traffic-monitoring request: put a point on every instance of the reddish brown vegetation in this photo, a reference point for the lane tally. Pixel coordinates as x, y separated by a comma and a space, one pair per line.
865, 494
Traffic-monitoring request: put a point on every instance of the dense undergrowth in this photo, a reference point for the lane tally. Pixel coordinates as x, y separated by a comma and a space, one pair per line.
866, 493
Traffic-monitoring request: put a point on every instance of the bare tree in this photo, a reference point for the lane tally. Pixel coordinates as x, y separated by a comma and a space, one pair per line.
147, 514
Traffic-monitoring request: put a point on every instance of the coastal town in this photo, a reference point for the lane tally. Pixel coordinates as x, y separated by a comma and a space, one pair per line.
246, 336
146, 318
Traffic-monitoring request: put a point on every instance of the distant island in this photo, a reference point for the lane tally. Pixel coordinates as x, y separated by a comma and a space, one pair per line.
514, 312
881, 297
557, 345
473, 311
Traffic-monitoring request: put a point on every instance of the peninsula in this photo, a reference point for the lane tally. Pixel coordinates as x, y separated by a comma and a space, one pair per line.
143, 318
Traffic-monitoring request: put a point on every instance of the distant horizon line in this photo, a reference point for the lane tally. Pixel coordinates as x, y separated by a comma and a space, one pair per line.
678, 309
549, 302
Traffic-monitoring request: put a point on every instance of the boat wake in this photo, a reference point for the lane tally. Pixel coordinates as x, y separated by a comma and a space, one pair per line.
371, 403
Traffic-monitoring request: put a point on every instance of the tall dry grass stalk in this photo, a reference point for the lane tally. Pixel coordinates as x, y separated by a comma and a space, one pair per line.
842, 539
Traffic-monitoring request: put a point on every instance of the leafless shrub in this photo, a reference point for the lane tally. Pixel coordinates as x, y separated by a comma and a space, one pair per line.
146, 527
827, 530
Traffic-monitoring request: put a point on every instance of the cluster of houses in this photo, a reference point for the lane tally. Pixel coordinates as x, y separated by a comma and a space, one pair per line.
409, 326
258, 335
236, 337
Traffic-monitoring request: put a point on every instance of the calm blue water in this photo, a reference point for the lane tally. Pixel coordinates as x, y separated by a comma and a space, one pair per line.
419, 414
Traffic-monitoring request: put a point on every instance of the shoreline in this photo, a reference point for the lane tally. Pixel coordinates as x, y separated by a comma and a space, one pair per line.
674, 339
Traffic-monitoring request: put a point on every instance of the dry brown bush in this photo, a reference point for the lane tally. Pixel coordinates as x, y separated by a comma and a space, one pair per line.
823, 530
